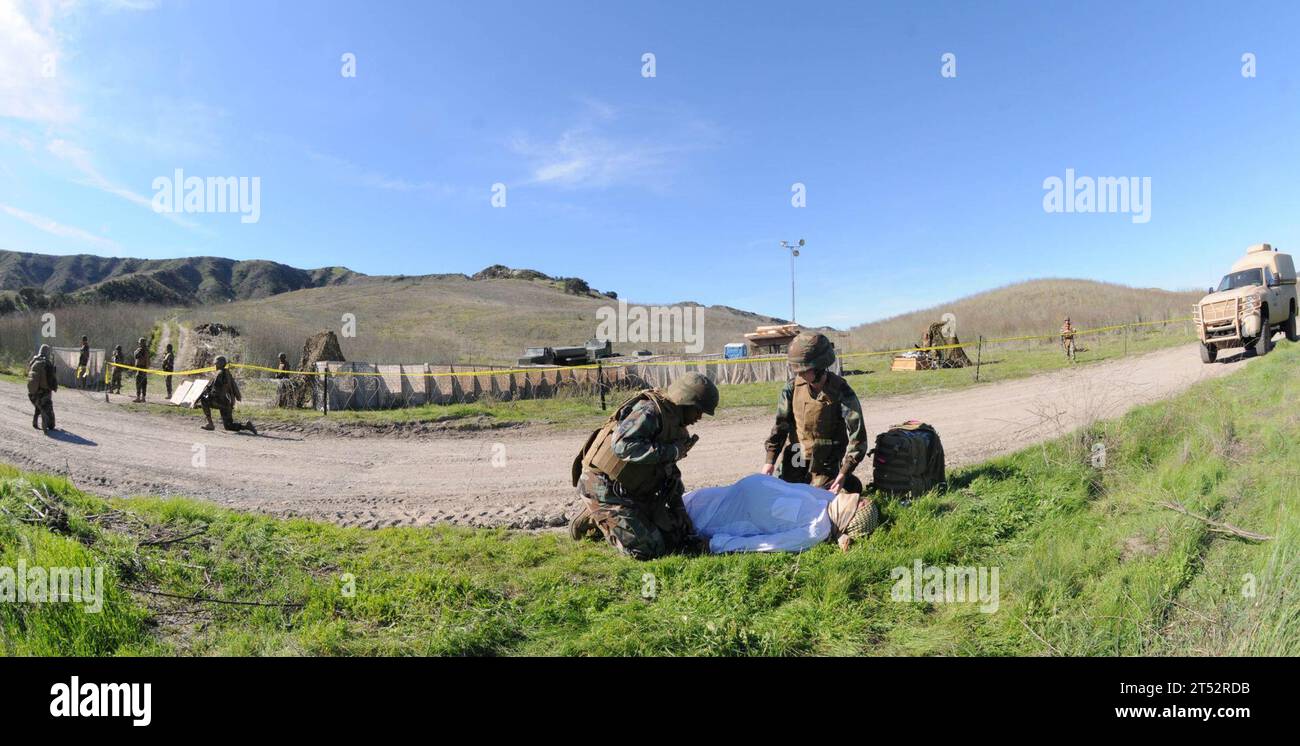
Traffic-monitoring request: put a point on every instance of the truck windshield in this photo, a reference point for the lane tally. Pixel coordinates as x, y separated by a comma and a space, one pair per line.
1244, 278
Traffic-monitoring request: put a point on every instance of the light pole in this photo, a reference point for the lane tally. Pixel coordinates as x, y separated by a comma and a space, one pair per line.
794, 252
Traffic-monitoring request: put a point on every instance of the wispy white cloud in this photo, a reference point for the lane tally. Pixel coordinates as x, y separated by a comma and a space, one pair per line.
55, 228
353, 173
601, 150
31, 88
80, 159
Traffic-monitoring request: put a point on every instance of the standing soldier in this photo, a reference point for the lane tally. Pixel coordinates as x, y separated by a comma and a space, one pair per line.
41, 385
822, 418
627, 472
83, 362
222, 393
141, 360
168, 365
1067, 338
283, 389
116, 385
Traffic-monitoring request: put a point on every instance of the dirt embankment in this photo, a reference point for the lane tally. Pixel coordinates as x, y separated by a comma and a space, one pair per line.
518, 476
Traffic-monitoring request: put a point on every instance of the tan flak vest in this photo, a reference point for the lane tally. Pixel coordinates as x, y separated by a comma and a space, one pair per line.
636, 479
819, 426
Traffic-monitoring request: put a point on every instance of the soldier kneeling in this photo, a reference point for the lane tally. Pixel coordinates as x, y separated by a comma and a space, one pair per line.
223, 393
627, 472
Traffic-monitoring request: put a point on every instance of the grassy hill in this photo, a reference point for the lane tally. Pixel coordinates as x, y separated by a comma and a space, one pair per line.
446, 318
204, 279
1030, 307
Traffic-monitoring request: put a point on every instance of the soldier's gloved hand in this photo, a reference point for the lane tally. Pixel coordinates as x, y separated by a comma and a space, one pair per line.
684, 446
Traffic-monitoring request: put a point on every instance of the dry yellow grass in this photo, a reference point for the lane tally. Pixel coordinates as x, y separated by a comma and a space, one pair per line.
1031, 307
444, 319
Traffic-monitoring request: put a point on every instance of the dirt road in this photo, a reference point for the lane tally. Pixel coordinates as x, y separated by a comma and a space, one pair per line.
518, 478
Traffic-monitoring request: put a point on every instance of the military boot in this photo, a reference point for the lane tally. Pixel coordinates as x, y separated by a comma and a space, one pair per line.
583, 527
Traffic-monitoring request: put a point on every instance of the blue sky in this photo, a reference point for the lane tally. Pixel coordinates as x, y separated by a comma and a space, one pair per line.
920, 188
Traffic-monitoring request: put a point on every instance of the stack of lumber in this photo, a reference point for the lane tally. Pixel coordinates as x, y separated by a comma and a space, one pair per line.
773, 334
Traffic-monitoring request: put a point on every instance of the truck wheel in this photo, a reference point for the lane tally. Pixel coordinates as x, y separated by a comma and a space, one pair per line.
1290, 328
1263, 342
1208, 353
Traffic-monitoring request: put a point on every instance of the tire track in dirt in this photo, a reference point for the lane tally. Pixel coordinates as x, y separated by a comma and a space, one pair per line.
114, 448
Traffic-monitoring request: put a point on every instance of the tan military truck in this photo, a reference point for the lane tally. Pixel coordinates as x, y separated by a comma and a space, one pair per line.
1253, 301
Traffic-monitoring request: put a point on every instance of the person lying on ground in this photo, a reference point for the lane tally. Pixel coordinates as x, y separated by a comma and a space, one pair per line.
760, 513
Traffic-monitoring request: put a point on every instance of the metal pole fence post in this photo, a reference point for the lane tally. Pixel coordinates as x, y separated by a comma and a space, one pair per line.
600, 383
325, 392
979, 357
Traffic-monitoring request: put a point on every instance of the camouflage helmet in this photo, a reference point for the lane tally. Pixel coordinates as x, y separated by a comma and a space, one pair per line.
141, 342
811, 350
44, 351
853, 515
694, 390
220, 362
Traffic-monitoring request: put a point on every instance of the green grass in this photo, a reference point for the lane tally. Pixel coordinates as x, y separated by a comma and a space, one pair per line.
1089, 564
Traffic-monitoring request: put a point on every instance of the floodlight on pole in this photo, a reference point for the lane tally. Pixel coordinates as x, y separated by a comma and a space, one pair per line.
793, 248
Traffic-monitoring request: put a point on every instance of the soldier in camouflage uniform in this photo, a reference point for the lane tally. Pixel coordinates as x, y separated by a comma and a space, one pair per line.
140, 359
169, 365
1067, 338
222, 393
83, 362
820, 415
627, 472
116, 385
42, 382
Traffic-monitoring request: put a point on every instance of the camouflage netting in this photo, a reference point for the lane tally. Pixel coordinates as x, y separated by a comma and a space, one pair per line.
299, 391
320, 347
951, 358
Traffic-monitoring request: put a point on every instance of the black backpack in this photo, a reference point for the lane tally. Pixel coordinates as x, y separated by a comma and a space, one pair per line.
907, 460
